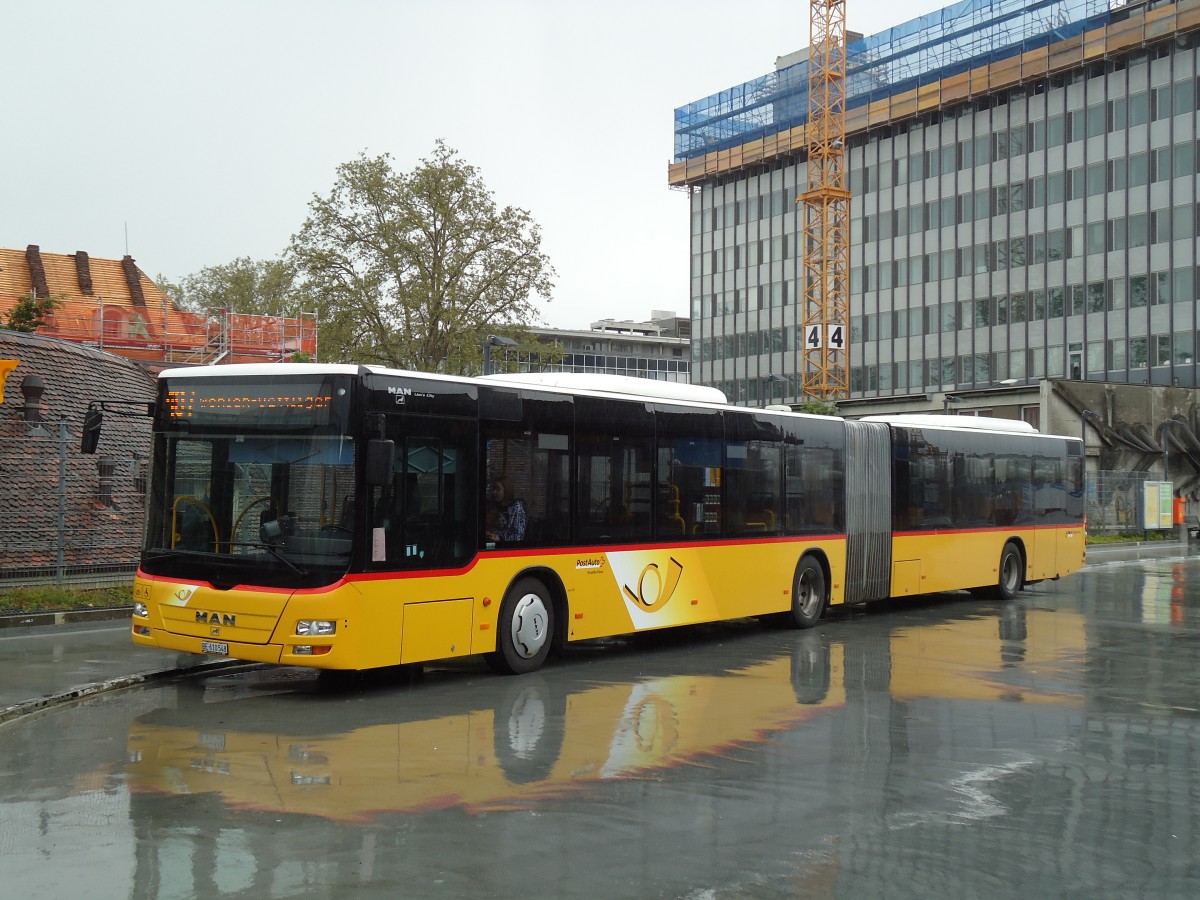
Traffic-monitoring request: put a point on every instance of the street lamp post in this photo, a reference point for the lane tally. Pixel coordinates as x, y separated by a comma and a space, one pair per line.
771, 379
947, 399
1167, 450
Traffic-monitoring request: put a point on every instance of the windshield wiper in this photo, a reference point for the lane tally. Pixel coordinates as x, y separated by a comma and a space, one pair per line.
176, 551
274, 551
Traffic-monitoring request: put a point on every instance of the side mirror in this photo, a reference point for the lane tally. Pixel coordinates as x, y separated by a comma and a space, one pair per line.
380, 454
91, 430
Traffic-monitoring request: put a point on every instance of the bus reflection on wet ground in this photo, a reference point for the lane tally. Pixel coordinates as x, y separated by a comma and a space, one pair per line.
942, 747
458, 739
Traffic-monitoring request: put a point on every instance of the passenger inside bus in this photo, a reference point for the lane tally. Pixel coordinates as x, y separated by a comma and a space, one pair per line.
506, 514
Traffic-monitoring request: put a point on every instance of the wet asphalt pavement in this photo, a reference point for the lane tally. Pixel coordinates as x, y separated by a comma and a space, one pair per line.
940, 747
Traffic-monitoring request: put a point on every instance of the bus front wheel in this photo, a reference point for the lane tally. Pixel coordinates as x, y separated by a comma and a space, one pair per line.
524, 630
809, 594
1012, 573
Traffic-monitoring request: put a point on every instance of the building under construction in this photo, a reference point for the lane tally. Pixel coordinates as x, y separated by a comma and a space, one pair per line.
1023, 181
111, 305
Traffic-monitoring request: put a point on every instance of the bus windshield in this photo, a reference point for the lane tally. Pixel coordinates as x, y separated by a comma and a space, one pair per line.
268, 500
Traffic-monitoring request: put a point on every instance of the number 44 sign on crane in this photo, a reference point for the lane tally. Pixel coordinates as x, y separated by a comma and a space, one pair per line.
815, 340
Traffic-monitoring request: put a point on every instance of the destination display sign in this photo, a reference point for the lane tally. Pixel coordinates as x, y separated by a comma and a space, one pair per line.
215, 403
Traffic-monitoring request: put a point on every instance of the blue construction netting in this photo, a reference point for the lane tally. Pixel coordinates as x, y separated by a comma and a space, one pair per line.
922, 51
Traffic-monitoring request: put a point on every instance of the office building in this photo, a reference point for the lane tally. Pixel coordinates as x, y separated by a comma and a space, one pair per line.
656, 349
1023, 181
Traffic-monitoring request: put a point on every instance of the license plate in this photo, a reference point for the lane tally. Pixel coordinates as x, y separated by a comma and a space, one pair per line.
217, 648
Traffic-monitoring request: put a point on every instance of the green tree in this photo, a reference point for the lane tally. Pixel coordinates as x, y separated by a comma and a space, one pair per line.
171, 288
265, 287
29, 313
415, 269
819, 408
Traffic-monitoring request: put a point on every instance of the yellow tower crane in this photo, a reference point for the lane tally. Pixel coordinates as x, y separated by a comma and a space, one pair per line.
825, 237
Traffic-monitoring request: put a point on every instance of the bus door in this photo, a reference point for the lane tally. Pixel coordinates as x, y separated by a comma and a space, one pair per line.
424, 517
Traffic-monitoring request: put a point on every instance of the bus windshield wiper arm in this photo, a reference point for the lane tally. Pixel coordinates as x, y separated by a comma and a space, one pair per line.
274, 551
174, 551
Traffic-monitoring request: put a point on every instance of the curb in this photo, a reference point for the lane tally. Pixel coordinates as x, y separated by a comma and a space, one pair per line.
1103, 553
64, 617
28, 707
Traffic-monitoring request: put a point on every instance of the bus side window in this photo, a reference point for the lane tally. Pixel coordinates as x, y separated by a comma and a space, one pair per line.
753, 474
690, 450
814, 480
535, 468
614, 491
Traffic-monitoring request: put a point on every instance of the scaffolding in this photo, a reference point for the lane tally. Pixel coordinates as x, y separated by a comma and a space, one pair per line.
162, 333
111, 305
922, 51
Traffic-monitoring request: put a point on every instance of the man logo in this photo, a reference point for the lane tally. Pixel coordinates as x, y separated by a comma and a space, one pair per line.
653, 590
215, 618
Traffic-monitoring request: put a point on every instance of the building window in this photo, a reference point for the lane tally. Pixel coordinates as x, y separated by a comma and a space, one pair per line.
1137, 353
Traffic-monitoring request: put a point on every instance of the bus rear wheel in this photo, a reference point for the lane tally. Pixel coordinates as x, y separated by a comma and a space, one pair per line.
524, 630
809, 594
1012, 573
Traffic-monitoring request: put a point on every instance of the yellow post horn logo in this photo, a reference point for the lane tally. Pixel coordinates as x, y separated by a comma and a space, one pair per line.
653, 591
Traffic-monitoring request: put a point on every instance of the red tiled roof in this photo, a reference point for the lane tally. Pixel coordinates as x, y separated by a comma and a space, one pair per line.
116, 307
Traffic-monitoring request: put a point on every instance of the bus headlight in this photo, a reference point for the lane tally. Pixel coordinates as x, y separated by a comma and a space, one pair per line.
316, 626
139, 609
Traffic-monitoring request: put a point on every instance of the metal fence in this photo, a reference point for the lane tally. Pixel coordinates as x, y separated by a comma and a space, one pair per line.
69, 519
1113, 501
35, 562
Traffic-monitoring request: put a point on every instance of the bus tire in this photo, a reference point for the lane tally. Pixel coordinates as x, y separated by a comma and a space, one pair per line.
1012, 573
524, 630
810, 594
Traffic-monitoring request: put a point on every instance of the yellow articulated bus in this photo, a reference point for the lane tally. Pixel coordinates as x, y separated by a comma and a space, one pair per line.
349, 517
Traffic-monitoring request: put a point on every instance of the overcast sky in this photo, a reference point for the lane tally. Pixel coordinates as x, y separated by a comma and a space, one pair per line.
202, 129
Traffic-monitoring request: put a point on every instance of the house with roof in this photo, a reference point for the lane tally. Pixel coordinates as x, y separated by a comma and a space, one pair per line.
112, 305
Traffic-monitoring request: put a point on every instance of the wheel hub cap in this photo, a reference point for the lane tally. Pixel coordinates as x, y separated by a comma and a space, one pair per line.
529, 622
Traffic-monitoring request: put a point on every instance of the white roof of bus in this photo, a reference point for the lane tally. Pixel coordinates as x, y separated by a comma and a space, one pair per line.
612, 384
251, 370
622, 385
933, 420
